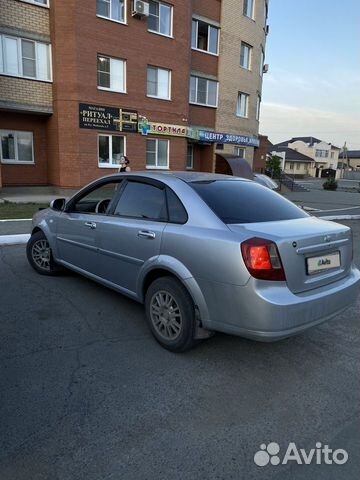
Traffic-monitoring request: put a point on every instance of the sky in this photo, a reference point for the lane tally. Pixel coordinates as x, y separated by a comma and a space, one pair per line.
313, 84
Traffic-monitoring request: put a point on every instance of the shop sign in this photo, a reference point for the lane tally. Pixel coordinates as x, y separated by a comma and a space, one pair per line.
230, 138
152, 128
107, 118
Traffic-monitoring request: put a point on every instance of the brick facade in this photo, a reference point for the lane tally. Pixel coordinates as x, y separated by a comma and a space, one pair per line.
77, 36
32, 174
24, 94
18, 15
237, 28
259, 165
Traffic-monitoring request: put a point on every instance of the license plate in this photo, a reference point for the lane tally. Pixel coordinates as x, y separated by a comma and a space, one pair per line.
324, 262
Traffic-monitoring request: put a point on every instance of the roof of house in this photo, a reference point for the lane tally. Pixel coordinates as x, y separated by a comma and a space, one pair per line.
352, 154
291, 154
310, 140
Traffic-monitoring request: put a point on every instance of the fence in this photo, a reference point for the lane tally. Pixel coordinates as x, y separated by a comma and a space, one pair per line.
352, 175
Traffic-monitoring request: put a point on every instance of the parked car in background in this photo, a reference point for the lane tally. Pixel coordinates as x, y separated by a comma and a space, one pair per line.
265, 181
203, 252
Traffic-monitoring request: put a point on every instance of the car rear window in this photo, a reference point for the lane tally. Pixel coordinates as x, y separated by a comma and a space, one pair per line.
245, 202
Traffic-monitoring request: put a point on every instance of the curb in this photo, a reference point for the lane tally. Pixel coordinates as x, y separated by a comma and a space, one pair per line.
16, 220
14, 239
340, 217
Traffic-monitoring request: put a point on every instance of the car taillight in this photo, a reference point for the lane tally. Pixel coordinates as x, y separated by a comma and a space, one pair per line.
262, 259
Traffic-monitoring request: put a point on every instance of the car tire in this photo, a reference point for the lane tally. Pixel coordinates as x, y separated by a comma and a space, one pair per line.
39, 255
170, 312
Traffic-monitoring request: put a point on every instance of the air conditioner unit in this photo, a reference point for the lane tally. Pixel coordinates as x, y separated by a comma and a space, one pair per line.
266, 68
140, 8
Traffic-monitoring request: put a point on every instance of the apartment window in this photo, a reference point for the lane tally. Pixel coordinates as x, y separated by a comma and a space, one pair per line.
332, 154
190, 156
298, 165
160, 18
110, 150
37, 2
245, 55
111, 74
24, 58
258, 103
16, 147
111, 9
158, 83
205, 37
262, 60
240, 152
291, 166
203, 91
242, 105
157, 153
322, 153
249, 8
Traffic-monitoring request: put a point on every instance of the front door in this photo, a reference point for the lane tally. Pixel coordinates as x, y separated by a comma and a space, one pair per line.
77, 226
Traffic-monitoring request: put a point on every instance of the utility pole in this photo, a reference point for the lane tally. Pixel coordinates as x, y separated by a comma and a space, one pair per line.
344, 152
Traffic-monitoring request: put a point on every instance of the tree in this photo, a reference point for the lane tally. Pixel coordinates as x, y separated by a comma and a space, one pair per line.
273, 164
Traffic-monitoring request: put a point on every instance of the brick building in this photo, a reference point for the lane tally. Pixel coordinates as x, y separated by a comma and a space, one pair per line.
168, 84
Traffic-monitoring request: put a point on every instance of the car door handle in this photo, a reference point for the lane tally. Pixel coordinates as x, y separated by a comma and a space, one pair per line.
146, 234
90, 224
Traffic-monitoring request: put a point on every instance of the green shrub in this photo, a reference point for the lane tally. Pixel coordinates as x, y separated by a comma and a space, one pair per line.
330, 184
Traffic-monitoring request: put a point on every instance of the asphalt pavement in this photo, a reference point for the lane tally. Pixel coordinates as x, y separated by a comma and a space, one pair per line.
326, 202
87, 394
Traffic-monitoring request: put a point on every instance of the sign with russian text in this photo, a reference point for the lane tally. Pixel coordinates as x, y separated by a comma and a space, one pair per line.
152, 128
230, 138
107, 118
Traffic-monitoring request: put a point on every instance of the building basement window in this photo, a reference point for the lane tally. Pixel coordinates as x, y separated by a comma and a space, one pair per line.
110, 148
111, 9
21, 57
16, 147
203, 91
205, 37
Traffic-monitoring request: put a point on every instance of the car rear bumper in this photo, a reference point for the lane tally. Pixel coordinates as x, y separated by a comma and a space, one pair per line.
269, 311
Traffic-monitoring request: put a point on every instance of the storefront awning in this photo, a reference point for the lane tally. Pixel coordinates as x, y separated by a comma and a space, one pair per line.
232, 165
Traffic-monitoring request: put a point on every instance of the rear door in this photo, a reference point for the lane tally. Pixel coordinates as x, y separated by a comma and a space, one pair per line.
132, 232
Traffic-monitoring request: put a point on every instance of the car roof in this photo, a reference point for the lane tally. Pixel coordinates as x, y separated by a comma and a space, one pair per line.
187, 177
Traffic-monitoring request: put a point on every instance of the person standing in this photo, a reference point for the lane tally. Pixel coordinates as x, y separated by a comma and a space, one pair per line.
124, 164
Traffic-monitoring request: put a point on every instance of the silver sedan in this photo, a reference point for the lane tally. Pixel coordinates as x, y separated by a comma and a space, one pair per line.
203, 252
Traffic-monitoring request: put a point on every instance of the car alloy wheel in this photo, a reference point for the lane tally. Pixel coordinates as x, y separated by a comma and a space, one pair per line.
41, 254
170, 312
165, 315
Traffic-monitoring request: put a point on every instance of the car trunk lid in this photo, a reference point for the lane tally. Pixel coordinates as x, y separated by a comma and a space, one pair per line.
313, 252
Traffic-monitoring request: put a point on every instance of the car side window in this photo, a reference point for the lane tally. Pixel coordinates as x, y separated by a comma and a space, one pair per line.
142, 200
177, 212
98, 199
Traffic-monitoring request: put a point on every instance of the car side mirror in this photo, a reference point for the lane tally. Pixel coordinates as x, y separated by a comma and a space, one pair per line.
58, 204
